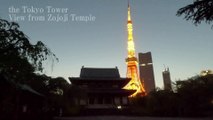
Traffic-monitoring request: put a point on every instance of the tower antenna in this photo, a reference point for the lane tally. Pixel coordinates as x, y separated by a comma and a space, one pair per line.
128, 3
164, 67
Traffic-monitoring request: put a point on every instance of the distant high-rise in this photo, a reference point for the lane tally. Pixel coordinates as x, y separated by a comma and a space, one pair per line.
167, 79
206, 72
146, 71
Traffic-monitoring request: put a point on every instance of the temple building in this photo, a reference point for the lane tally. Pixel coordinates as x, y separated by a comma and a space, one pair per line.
103, 88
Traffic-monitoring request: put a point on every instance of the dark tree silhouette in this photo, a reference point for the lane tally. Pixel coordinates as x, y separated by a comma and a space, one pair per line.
19, 60
14, 41
196, 95
193, 97
200, 10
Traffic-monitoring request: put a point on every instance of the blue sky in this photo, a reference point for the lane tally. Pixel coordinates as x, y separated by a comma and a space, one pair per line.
186, 49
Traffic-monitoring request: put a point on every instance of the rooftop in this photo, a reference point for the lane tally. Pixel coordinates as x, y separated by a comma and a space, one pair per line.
99, 73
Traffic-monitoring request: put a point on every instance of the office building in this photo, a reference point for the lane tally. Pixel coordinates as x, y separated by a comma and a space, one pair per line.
146, 71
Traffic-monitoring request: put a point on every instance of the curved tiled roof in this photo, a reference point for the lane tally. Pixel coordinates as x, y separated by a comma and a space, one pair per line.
99, 73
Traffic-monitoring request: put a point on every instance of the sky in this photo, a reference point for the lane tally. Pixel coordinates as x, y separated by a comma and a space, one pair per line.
101, 41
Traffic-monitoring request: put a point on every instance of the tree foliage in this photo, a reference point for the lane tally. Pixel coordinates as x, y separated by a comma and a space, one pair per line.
200, 10
15, 42
196, 95
19, 62
193, 97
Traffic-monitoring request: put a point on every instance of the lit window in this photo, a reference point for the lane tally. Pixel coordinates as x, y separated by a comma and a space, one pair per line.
142, 64
119, 107
149, 63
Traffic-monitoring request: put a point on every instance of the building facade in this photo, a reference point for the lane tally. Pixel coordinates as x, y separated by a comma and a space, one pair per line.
146, 71
167, 79
103, 88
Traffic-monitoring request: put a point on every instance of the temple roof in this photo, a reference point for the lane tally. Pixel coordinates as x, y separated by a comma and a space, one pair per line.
105, 76
99, 73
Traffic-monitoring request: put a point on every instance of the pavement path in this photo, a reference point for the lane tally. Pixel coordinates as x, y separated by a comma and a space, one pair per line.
125, 118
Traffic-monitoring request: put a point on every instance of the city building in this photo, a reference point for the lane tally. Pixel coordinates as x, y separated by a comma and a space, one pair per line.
167, 79
103, 88
146, 71
131, 61
206, 72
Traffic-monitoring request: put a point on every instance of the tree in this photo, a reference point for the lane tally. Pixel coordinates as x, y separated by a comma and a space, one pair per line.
58, 85
196, 95
162, 103
19, 60
200, 10
15, 42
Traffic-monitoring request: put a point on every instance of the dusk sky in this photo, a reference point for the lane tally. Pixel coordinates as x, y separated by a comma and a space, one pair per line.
102, 41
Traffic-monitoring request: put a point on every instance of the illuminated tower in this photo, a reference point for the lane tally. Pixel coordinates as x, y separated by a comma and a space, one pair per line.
131, 60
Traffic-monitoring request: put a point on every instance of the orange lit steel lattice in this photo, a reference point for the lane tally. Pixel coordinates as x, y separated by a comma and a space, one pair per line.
131, 60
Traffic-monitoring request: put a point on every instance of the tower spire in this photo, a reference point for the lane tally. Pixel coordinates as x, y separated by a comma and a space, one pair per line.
129, 13
131, 46
131, 60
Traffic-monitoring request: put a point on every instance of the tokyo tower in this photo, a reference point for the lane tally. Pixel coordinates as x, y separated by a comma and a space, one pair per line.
131, 61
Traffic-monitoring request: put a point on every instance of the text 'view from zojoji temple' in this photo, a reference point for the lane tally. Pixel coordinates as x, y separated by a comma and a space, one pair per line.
106, 59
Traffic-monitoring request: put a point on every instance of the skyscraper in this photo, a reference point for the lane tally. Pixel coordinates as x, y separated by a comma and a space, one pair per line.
167, 79
146, 71
131, 60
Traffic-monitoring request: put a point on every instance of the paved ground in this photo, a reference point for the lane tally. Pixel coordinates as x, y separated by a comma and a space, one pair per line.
126, 118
